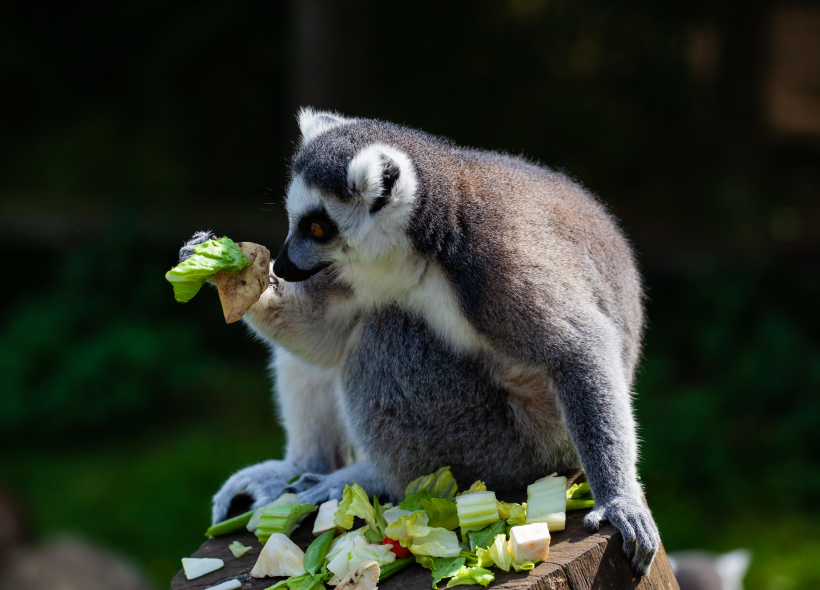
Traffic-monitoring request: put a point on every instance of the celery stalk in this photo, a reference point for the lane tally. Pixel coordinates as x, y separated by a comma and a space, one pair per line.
476, 510
547, 502
280, 519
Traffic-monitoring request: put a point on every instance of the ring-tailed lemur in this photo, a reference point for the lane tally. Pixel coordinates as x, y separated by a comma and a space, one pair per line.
475, 310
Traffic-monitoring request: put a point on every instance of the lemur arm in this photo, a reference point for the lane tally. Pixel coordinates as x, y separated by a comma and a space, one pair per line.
596, 404
293, 316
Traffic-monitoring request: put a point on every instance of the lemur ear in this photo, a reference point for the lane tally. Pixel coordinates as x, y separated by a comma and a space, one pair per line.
380, 174
312, 123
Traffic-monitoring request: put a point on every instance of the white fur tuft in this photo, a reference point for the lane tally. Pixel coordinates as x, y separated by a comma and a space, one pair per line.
313, 123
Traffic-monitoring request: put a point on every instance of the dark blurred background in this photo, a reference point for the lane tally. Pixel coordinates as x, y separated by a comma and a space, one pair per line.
127, 127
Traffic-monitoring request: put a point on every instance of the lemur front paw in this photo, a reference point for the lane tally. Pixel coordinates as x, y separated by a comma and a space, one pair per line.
638, 528
198, 238
315, 488
251, 488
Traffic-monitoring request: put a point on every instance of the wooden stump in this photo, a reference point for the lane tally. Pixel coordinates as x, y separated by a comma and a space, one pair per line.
578, 560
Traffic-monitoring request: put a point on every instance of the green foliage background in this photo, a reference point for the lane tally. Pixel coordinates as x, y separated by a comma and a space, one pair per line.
132, 126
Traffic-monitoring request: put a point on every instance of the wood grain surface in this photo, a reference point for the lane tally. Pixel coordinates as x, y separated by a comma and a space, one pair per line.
578, 560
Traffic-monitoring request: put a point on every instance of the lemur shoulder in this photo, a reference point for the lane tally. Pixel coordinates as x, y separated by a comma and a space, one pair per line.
434, 305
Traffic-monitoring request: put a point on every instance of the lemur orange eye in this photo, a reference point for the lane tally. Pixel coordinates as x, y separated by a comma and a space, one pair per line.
317, 230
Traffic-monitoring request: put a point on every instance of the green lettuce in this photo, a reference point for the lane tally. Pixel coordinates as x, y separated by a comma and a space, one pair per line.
478, 486
208, 258
399, 531
441, 567
514, 514
412, 501
468, 576
436, 542
355, 503
442, 512
440, 484
483, 538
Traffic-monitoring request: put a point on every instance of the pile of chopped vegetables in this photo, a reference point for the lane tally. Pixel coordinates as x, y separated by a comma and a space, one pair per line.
458, 537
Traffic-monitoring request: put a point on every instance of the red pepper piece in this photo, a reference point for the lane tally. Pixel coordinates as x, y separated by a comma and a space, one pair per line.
396, 547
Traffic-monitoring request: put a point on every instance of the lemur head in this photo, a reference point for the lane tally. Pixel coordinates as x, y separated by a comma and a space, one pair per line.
350, 195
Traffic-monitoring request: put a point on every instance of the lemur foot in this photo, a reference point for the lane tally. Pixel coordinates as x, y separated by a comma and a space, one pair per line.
198, 238
251, 488
317, 488
633, 519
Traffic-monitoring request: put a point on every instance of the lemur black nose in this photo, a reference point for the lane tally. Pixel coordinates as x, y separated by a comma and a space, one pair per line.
282, 262
284, 268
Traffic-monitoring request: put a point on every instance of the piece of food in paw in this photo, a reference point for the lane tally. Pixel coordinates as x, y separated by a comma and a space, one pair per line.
194, 567
279, 557
238, 291
530, 542
365, 576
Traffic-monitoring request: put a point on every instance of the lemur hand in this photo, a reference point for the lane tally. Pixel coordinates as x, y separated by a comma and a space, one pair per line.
198, 238
633, 519
252, 488
315, 488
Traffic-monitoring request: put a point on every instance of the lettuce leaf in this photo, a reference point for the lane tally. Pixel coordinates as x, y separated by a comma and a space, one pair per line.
378, 517
440, 484
355, 503
500, 552
412, 502
468, 576
441, 567
436, 543
514, 514
398, 531
441, 512
208, 258
483, 538
478, 486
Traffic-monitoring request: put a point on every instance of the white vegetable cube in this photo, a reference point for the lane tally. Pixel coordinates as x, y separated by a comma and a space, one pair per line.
530, 542
229, 585
324, 519
195, 567
279, 557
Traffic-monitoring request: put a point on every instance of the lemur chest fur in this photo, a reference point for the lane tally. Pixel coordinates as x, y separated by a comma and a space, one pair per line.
419, 287
430, 310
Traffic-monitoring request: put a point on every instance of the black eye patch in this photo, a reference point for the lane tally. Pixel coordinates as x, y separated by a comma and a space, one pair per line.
317, 226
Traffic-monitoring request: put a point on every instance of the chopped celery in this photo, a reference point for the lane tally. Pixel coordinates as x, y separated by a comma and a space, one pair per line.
476, 510
547, 502
280, 519
282, 500
238, 549
440, 484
